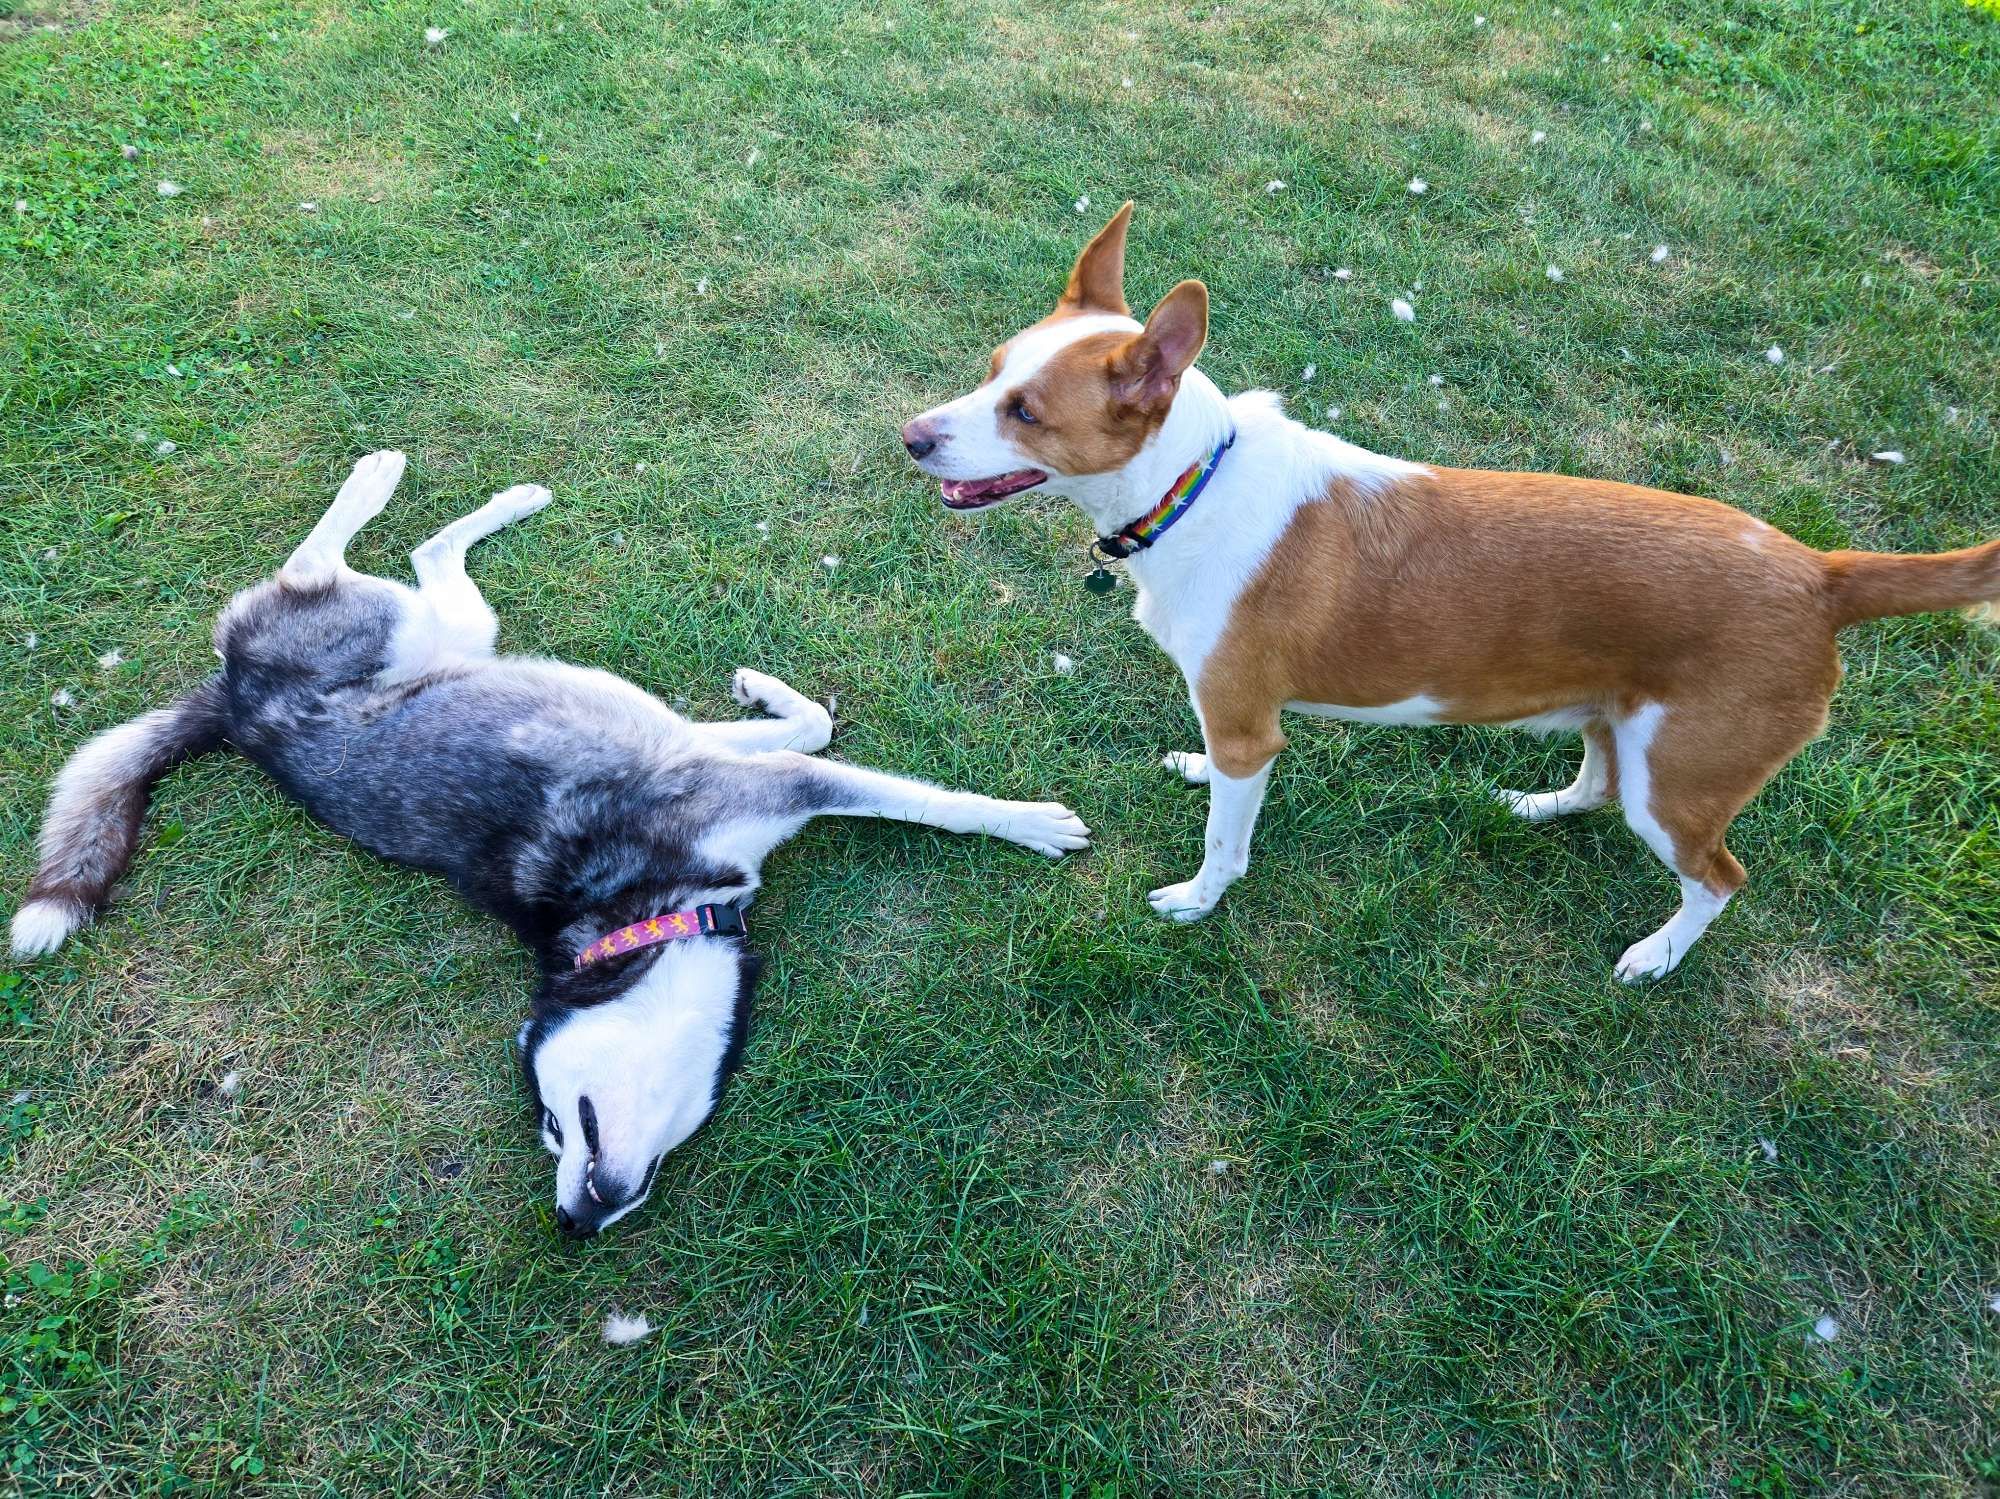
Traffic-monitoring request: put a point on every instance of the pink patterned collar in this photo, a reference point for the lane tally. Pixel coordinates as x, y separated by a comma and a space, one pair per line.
672, 926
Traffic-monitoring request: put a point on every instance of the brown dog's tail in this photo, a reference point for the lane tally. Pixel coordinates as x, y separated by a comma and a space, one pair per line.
94, 812
1869, 585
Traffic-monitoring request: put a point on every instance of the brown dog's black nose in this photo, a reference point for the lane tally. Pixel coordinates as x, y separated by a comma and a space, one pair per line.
920, 439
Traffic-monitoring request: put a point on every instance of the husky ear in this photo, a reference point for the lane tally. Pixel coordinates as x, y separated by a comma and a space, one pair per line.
1097, 280
1148, 370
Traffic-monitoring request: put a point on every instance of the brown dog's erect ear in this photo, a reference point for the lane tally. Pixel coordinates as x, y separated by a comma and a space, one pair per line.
1097, 280
1148, 370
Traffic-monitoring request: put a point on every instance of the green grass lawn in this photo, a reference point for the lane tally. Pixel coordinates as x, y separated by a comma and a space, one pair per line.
1373, 1183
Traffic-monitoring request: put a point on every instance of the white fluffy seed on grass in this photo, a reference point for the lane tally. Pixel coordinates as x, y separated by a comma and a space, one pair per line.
1774, 355
620, 1329
168, 189
1124, 83
1308, 372
166, 447
1660, 254
30, 640
111, 661
1538, 137
1343, 274
1403, 311
1825, 1330
1063, 664
829, 562
1273, 186
1333, 413
1083, 204
1479, 20
1218, 1168
129, 151
1769, 1147
1889, 456
20, 205
1554, 273
62, 697
701, 287
231, 1084
309, 207
434, 36
1418, 187
763, 528
1436, 381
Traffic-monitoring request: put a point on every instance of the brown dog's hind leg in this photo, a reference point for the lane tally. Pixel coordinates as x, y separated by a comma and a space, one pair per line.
1687, 769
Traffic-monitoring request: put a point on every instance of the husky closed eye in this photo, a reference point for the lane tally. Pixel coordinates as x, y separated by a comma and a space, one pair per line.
586, 1115
552, 1126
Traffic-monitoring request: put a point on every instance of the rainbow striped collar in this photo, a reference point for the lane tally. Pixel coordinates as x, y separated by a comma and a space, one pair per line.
670, 926
1154, 524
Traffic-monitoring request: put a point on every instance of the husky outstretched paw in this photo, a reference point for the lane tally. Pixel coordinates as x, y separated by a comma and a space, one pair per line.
1048, 828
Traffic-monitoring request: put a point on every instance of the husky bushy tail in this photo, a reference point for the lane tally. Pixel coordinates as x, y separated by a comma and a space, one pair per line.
92, 824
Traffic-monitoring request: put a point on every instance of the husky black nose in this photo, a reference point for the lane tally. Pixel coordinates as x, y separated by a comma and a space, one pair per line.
569, 1227
920, 439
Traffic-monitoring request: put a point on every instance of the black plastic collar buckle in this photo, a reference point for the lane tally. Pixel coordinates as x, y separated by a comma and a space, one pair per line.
722, 921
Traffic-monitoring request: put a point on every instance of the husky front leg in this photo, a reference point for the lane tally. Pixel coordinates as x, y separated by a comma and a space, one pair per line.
831, 789
796, 722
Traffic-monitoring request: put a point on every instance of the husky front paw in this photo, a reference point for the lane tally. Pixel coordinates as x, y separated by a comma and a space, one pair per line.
756, 689
1048, 828
1183, 902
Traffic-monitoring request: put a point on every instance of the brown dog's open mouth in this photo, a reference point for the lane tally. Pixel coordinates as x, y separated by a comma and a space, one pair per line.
975, 494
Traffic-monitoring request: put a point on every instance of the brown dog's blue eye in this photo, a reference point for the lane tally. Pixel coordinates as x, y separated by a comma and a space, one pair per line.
1023, 414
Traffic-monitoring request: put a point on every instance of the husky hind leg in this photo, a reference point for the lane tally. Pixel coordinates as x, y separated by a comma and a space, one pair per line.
449, 619
322, 556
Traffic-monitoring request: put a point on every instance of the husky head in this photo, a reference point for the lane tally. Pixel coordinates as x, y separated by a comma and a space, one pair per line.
627, 1061
1069, 402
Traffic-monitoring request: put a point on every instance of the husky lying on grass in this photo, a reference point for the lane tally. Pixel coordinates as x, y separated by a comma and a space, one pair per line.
617, 839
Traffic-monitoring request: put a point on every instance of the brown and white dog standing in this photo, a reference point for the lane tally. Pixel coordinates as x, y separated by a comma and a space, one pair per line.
1690, 644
